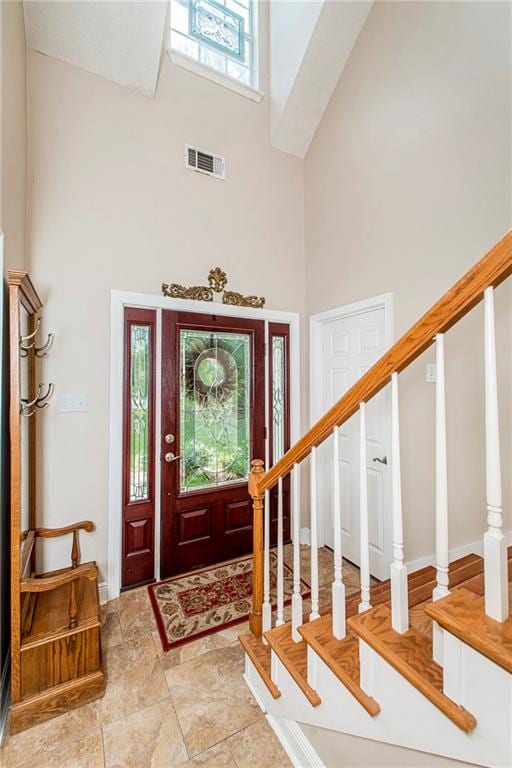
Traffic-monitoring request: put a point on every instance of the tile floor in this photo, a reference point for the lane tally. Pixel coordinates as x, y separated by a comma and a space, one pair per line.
188, 707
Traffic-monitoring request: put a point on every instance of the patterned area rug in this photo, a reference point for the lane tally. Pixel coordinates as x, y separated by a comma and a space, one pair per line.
191, 606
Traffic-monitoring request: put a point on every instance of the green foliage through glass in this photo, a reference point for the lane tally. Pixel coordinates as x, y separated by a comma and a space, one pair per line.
139, 420
278, 396
214, 408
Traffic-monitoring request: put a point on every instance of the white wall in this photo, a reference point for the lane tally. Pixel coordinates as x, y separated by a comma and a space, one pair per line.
13, 131
407, 184
112, 207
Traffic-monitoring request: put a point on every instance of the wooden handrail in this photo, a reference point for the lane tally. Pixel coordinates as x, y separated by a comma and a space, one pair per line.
491, 270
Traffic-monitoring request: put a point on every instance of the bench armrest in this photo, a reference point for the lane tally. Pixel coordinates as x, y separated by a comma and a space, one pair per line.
50, 533
46, 583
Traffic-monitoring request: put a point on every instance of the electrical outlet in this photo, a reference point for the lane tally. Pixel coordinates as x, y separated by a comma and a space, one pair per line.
431, 373
72, 403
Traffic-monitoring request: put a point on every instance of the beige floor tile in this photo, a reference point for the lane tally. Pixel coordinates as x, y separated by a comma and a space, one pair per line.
135, 614
150, 738
111, 607
258, 747
229, 635
184, 652
135, 679
215, 757
111, 634
49, 735
85, 752
211, 698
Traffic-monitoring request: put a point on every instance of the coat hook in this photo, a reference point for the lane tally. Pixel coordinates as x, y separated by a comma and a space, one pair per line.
43, 351
26, 404
42, 402
24, 349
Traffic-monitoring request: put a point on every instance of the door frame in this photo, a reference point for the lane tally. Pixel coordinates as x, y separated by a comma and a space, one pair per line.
316, 381
119, 300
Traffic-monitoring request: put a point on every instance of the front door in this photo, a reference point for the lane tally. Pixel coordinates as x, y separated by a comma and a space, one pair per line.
350, 346
213, 425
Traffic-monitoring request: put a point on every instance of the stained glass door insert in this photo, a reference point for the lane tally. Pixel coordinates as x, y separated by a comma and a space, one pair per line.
215, 390
213, 420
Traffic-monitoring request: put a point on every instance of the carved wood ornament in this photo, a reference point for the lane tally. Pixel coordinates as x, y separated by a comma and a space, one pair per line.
217, 281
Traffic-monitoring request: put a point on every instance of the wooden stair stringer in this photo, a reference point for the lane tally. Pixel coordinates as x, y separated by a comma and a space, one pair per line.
341, 656
463, 614
410, 655
294, 658
260, 655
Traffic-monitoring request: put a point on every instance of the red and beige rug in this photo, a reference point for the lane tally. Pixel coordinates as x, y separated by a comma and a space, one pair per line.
191, 606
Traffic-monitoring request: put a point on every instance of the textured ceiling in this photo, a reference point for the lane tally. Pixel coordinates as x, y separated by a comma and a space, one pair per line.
121, 41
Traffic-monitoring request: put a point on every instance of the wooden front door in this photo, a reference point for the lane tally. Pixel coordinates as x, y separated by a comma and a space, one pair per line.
213, 417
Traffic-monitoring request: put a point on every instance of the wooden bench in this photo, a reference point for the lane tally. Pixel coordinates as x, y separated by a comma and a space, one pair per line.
56, 661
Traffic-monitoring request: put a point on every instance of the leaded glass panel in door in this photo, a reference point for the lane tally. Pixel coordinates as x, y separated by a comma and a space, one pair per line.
215, 396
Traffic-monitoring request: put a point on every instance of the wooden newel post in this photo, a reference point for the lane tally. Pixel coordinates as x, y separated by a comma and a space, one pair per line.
255, 617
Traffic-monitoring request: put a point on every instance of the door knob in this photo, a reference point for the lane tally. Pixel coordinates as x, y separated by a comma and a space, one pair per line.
384, 459
169, 457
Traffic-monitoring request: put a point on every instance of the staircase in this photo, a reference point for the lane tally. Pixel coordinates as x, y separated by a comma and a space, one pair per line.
423, 660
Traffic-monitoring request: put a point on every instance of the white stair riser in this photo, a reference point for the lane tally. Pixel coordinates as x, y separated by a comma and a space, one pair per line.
407, 718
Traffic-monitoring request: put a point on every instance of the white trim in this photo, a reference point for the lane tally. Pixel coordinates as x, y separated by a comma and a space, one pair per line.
118, 301
187, 62
5, 691
103, 592
305, 536
474, 548
295, 743
316, 379
257, 697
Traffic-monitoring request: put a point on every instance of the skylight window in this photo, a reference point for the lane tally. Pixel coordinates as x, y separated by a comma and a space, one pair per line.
218, 34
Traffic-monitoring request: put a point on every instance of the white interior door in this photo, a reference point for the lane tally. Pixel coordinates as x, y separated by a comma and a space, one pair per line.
349, 346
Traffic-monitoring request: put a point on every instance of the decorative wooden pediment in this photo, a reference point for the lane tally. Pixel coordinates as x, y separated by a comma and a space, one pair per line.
214, 291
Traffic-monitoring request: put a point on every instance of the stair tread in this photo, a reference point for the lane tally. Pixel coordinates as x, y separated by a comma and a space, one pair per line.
421, 583
341, 656
260, 655
463, 614
294, 657
409, 654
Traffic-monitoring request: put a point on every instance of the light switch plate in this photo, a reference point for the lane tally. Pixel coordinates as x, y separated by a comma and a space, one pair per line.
72, 403
431, 373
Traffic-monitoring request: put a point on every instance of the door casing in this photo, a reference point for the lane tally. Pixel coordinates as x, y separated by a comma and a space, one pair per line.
316, 381
119, 300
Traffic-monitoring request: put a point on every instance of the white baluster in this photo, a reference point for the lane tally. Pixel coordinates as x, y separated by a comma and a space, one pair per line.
267, 606
495, 550
314, 539
442, 555
280, 561
296, 597
363, 514
338, 587
399, 587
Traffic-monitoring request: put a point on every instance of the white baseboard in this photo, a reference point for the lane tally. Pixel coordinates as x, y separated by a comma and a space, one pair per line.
5, 682
475, 547
103, 592
298, 748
